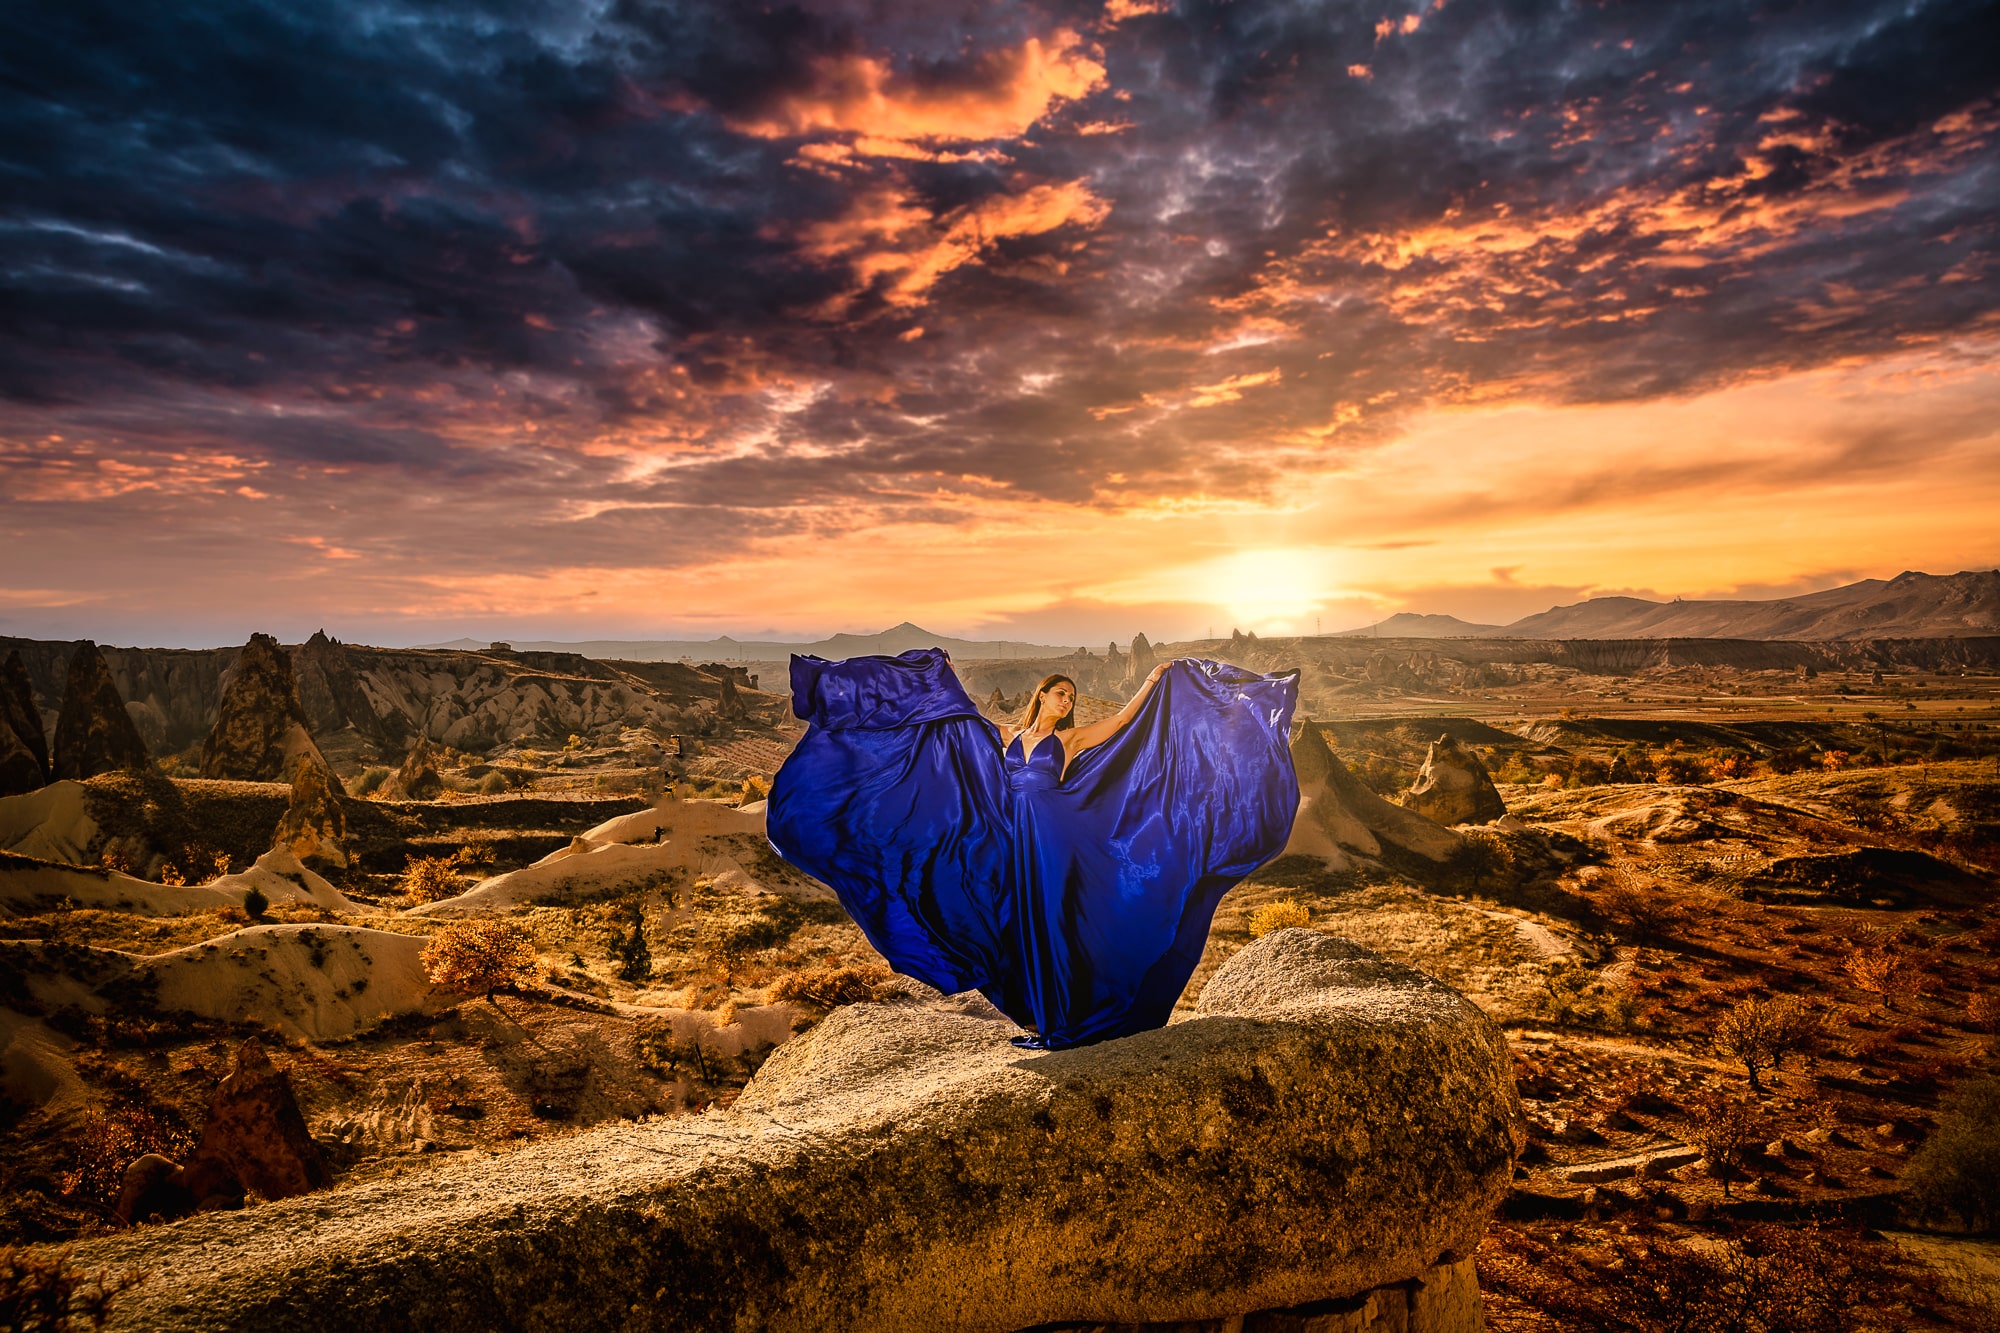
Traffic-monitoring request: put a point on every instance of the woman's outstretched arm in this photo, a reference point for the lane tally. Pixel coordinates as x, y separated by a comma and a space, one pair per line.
1079, 739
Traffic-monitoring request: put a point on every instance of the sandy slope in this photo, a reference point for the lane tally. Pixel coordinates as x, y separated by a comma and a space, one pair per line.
51, 824
675, 841
316, 981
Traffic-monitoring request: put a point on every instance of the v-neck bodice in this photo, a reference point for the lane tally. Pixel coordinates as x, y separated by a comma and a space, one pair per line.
1044, 763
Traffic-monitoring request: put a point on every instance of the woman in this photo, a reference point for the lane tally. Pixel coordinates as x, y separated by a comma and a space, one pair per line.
1068, 873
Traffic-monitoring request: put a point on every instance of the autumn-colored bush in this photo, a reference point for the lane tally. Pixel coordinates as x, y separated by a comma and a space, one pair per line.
1879, 971
755, 788
1761, 1033
480, 957
827, 988
430, 879
106, 1144
1281, 915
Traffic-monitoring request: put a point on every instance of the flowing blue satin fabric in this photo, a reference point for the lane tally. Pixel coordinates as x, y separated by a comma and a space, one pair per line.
1077, 902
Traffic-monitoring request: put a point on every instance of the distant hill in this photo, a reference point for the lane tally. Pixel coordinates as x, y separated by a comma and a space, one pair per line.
1909, 606
1410, 625
899, 639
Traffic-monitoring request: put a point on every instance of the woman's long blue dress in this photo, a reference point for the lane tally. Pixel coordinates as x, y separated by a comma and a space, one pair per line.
1077, 902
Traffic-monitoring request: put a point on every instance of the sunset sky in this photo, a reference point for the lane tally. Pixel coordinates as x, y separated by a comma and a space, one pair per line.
1056, 321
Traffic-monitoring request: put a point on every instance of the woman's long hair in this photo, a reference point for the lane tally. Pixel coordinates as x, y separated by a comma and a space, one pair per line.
1067, 720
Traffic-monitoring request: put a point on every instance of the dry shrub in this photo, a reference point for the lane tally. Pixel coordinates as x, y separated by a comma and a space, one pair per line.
1954, 1178
480, 957
1285, 914
1647, 914
107, 1144
827, 988
1761, 1033
755, 788
430, 879
46, 1293
1723, 1129
1767, 1279
477, 851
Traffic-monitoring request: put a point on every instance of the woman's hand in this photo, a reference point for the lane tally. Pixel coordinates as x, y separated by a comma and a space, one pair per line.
1158, 672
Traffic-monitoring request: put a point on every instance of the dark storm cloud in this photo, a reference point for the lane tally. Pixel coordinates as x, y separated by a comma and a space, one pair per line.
873, 254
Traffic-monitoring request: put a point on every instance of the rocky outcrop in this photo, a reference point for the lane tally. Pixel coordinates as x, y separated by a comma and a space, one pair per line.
1140, 664
94, 733
1340, 819
417, 779
1326, 1124
260, 732
1454, 787
255, 1141
336, 702
314, 828
24, 746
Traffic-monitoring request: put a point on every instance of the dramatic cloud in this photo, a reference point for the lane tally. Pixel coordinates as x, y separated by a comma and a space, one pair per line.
507, 297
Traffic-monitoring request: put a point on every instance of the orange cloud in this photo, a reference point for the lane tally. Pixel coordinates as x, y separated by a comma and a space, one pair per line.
859, 94
886, 233
1503, 270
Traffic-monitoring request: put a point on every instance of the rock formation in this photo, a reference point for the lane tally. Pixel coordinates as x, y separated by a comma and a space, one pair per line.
1326, 1125
1140, 663
24, 746
729, 705
417, 779
314, 827
1340, 819
260, 732
94, 733
1454, 787
336, 703
255, 1141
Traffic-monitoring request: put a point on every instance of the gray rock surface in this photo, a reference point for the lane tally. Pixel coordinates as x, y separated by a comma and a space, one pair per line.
1326, 1124
1453, 787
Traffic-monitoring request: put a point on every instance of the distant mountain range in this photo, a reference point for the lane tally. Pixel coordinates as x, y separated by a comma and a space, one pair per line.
1909, 606
1411, 625
899, 639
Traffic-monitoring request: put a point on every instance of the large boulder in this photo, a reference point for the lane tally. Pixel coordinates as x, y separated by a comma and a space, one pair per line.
94, 733
1325, 1125
260, 732
24, 746
1453, 787
1340, 819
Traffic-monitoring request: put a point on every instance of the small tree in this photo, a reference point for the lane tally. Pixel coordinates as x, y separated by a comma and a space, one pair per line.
480, 957
1878, 971
255, 903
635, 958
1280, 915
1723, 1130
1646, 913
1483, 854
430, 879
1761, 1033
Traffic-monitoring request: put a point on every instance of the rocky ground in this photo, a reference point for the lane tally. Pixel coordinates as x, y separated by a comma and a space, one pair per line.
1611, 926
